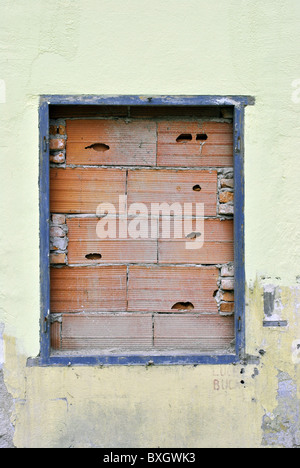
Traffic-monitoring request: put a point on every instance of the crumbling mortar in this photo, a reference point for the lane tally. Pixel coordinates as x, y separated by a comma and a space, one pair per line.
57, 132
281, 426
176, 118
58, 245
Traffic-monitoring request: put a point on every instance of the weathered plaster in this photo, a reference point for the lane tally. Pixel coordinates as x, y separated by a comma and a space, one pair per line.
279, 364
6, 428
203, 406
281, 427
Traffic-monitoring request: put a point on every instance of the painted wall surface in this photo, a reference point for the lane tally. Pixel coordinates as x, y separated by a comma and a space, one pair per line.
240, 47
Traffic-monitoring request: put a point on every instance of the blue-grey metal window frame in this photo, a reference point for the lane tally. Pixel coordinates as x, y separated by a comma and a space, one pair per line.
238, 103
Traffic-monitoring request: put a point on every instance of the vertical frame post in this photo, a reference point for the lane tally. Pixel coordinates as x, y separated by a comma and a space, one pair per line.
239, 228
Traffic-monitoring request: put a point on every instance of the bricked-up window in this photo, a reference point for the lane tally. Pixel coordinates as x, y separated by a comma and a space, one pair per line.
141, 230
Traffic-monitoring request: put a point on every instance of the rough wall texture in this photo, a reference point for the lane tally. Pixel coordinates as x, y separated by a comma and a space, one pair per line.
154, 47
6, 408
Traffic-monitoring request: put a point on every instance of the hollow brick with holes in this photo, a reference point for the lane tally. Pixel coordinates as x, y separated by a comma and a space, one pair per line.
108, 142
83, 235
160, 289
173, 187
178, 145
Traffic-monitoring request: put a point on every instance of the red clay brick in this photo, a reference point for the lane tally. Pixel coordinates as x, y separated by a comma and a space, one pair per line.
227, 183
82, 289
227, 284
158, 289
58, 158
167, 186
83, 240
209, 254
57, 231
215, 151
82, 190
217, 245
191, 332
132, 143
58, 219
126, 332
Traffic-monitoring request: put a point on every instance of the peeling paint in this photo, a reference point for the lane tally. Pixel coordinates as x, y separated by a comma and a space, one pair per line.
1, 345
281, 427
272, 302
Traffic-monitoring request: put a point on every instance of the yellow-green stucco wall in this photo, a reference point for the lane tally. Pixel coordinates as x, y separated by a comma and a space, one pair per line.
155, 47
